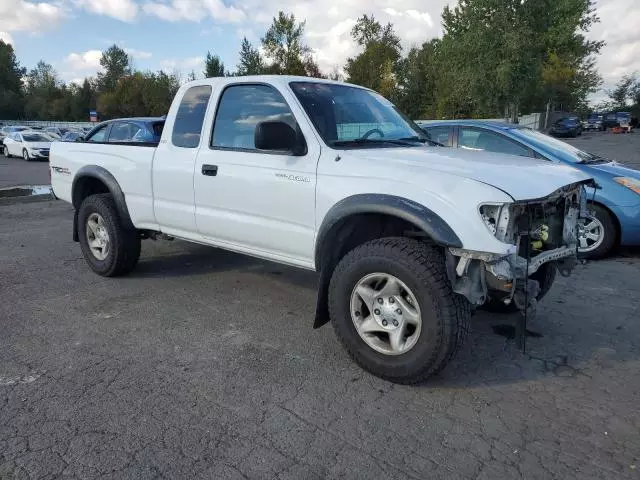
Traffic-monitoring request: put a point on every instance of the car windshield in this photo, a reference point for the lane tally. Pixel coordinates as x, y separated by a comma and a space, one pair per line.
347, 116
35, 137
574, 154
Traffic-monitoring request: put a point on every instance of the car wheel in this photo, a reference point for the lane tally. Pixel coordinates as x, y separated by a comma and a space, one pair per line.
5, 151
597, 234
108, 247
393, 309
25, 155
545, 276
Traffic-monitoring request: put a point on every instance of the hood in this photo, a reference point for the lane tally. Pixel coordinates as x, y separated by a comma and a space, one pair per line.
615, 169
520, 177
38, 144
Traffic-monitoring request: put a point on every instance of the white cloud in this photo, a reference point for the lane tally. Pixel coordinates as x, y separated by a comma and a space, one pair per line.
88, 61
6, 38
618, 27
188, 64
17, 15
138, 54
195, 11
125, 10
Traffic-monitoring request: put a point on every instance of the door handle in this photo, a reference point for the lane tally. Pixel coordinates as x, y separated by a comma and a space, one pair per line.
209, 170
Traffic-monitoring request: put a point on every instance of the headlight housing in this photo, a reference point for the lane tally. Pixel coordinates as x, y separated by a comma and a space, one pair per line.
629, 182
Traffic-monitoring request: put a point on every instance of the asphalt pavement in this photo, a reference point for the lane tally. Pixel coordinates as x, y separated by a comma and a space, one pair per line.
16, 172
203, 364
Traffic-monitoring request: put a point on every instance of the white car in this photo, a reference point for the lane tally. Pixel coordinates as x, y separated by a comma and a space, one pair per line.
30, 145
406, 238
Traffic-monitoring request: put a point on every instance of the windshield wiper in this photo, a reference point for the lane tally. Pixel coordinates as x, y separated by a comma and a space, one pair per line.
374, 141
594, 159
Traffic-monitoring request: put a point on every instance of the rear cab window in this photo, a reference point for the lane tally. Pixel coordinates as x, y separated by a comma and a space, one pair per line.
187, 128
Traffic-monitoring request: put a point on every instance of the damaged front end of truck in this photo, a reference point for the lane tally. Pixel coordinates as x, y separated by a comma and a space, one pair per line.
542, 231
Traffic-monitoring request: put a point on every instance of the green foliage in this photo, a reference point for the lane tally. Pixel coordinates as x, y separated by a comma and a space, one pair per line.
116, 64
11, 73
213, 66
251, 62
374, 67
285, 50
139, 94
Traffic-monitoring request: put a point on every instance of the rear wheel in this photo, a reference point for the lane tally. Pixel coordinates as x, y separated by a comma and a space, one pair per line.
393, 309
597, 234
108, 247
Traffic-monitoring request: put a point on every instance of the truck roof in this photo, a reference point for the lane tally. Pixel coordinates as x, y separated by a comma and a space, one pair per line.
273, 79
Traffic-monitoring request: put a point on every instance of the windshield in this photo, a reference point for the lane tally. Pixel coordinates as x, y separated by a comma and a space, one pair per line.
35, 137
576, 155
347, 116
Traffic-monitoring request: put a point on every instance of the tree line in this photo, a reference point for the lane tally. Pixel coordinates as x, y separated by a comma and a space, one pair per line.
495, 58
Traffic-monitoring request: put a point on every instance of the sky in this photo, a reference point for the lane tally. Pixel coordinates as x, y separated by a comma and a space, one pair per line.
175, 35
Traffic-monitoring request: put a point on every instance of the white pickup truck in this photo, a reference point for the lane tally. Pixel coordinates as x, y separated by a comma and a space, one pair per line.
407, 237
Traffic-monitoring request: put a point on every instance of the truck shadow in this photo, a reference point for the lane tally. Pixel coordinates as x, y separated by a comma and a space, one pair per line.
567, 337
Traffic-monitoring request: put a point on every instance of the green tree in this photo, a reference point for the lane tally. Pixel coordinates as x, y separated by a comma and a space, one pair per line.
43, 89
213, 66
251, 62
374, 67
497, 50
285, 49
116, 64
417, 75
11, 92
623, 91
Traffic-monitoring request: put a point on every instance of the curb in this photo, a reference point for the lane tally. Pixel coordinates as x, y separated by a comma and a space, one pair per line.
26, 194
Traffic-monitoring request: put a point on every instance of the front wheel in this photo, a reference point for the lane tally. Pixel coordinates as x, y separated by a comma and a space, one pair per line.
5, 151
109, 248
25, 155
393, 309
597, 234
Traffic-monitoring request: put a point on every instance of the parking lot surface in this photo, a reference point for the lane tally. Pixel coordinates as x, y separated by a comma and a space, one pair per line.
203, 364
15, 171
624, 148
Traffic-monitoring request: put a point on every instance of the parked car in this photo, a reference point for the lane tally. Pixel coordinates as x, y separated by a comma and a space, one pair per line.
615, 206
128, 130
616, 119
566, 127
72, 136
53, 136
27, 144
593, 122
330, 177
5, 131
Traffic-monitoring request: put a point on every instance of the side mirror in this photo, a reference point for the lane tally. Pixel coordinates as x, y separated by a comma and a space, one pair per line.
280, 137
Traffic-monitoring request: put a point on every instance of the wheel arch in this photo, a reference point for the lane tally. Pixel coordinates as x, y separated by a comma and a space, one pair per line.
363, 217
613, 216
93, 179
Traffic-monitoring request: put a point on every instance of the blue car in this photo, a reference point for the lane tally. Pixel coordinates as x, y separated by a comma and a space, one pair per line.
615, 206
566, 127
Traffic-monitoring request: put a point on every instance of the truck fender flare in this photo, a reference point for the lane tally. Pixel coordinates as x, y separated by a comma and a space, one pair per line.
428, 222
100, 173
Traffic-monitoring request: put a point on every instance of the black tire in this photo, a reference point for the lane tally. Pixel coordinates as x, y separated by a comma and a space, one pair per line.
445, 315
545, 276
124, 244
25, 155
610, 233
5, 151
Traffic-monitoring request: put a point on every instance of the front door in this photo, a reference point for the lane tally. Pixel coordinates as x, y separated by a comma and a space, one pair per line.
256, 201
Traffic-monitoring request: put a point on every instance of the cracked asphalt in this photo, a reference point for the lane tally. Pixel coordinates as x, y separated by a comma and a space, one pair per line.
203, 364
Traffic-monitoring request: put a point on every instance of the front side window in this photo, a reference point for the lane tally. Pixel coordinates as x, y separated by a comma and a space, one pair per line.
350, 116
477, 139
190, 117
99, 136
241, 108
442, 135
